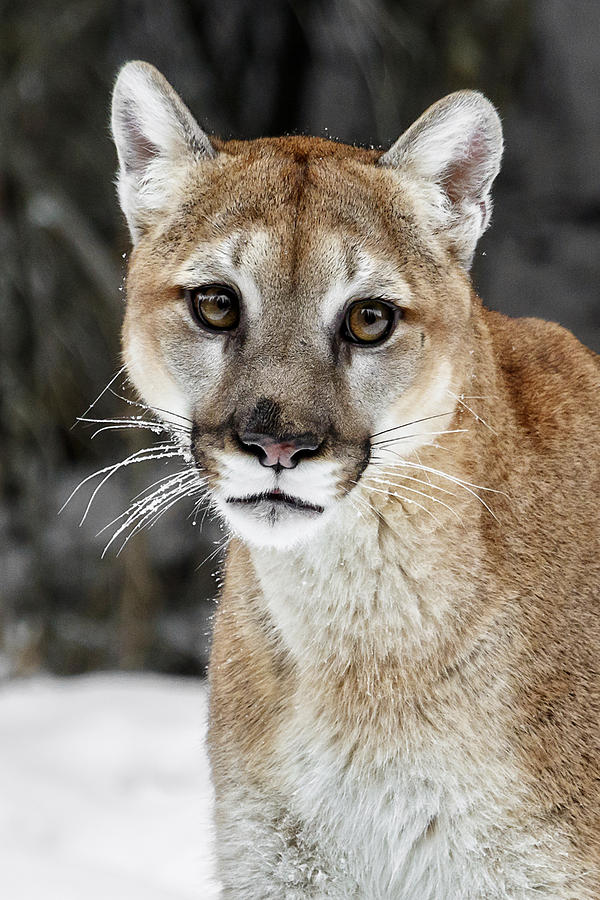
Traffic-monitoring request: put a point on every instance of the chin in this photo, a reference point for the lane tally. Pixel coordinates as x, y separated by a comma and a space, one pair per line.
273, 520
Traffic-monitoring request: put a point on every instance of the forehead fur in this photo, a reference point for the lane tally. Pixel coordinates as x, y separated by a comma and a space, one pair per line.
300, 148
299, 185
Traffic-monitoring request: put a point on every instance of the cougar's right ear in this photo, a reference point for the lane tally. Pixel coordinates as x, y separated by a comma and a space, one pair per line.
456, 146
155, 135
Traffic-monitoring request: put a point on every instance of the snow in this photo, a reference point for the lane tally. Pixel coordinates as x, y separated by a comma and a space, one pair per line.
104, 790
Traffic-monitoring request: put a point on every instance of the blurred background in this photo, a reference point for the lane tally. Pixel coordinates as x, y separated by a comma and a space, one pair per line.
356, 70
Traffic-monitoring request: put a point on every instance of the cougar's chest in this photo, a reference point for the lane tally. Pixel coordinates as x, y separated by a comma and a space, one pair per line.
365, 775
413, 791
419, 814
393, 819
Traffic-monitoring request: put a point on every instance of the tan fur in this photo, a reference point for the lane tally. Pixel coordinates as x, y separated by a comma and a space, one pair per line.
426, 640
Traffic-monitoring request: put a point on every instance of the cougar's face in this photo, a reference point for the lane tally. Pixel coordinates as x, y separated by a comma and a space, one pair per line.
297, 299
290, 309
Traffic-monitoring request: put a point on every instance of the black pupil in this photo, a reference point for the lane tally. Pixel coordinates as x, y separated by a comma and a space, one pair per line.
371, 315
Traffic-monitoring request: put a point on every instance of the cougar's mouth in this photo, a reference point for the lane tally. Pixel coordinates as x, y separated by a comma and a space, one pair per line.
276, 498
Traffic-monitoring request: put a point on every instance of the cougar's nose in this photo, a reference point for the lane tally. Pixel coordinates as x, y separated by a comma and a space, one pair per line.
282, 453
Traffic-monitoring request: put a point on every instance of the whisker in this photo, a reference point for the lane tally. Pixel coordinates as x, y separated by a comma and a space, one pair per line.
210, 556
139, 425
132, 419
196, 512
102, 393
145, 450
185, 471
418, 458
154, 515
158, 451
429, 483
466, 485
141, 503
414, 422
407, 500
478, 418
454, 478
358, 500
144, 510
205, 513
197, 507
187, 491
404, 437
156, 426
357, 496
406, 487
159, 409
161, 455
361, 459
153, 501
413, 451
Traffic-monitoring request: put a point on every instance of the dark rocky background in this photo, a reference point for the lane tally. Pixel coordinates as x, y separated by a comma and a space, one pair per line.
358, 70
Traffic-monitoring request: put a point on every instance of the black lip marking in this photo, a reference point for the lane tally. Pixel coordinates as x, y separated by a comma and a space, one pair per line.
279, 498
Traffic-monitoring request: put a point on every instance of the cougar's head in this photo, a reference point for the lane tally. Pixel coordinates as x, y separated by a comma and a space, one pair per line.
294, 297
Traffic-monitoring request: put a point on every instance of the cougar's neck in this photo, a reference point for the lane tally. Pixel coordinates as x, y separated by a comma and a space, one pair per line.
398, 574
377, 584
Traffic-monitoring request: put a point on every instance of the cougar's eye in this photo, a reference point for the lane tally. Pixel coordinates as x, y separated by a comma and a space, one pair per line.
370, 321
215, 306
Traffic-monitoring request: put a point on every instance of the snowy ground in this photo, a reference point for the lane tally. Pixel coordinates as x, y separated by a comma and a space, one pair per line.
104, 790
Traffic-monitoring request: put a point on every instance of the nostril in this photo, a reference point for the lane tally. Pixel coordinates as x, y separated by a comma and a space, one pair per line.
305, 448
285, 452
251, 444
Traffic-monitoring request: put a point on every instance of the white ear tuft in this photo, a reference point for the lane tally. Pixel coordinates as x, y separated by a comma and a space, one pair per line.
456, 146
154, 133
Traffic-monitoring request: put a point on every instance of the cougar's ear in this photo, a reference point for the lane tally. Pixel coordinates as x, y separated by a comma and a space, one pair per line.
155, 135
456, 146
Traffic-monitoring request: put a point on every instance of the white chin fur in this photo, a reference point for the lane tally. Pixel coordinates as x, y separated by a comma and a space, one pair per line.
280, 528
313, 481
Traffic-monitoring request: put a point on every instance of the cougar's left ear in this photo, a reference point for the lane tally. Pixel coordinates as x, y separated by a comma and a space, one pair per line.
155, 135
456, 146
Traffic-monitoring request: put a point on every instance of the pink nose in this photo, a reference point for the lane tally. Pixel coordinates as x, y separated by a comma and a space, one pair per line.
279, 453
285, 454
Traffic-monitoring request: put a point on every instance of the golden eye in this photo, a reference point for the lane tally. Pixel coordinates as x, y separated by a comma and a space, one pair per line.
370, 321
215, 306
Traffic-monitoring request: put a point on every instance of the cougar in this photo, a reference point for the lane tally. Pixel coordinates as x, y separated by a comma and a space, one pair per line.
404, 676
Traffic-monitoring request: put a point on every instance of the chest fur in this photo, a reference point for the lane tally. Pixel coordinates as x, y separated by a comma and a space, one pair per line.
433, 819
415, 786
